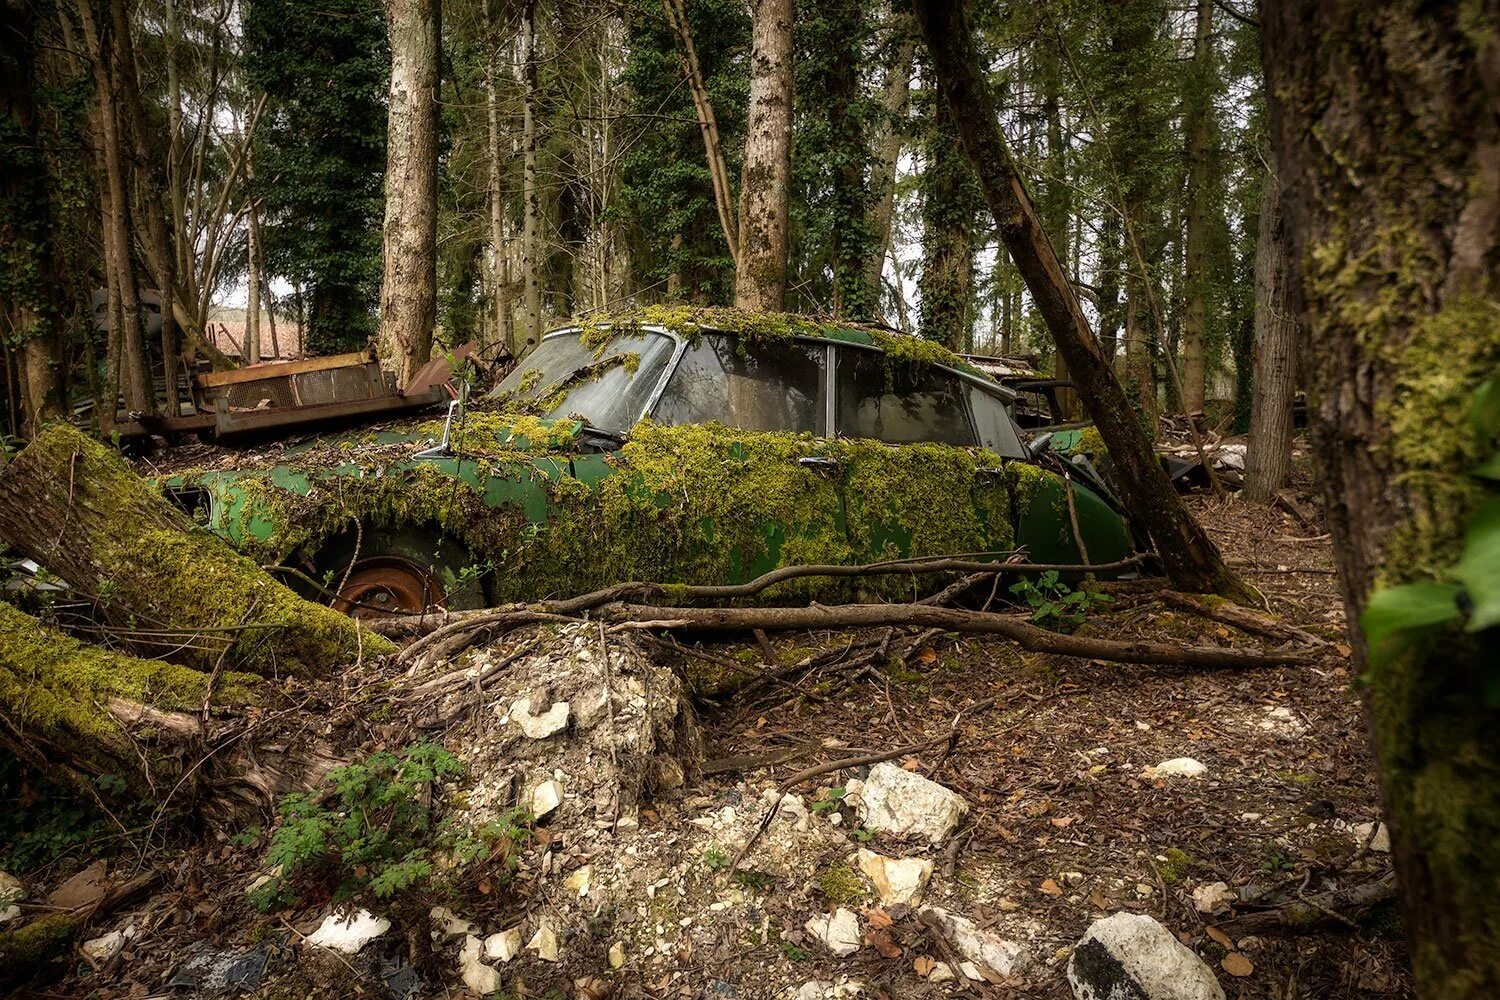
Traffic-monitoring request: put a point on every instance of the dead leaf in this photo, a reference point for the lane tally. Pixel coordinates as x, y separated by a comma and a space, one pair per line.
1063, 820
1236, 964
924, 964
1051, 888
927, 655
878, 918
1220, 937
1097, 900
910, 764
880, 939
1344, 650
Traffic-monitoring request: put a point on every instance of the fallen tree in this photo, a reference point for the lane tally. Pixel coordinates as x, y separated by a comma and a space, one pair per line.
71, 504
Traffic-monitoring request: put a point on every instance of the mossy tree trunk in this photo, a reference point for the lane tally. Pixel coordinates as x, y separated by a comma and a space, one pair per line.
1386, 127
1189, 556
69, 502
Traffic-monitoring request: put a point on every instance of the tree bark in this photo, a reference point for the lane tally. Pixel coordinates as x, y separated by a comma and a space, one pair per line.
1268, 459
1058, 213
708, 124
890, 137
1190, 558
69, 502
499, 269
1199, 127
531, 206
949, 206
408, 290
1385, 122
760, 273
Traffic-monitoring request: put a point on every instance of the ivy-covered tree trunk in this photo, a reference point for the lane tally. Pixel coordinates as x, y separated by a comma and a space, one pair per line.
765, 183
950, 202
1199, 124
890, 136
1386, 128
408, 293
1189, 556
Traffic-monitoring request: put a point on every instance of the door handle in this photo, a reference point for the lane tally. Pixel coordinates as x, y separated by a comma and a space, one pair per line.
822, 463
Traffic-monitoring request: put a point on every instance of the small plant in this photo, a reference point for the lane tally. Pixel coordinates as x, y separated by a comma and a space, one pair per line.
1054, 604
714, 859
829, 800
377, 832
794, 952
752, 879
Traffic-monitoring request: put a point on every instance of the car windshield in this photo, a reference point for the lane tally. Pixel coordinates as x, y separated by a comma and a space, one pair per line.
745, 384
608, 391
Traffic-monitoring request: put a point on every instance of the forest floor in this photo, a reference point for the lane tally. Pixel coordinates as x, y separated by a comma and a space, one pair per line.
1064, 824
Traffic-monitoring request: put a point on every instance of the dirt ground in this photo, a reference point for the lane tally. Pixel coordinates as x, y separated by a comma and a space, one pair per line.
1065, 826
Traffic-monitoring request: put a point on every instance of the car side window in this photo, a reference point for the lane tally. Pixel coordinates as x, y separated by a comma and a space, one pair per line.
899, 404
756, 386
997, 431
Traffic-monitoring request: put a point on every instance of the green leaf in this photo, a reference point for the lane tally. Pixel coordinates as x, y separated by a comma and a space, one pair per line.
1479, 568
1484, 412
1394, 612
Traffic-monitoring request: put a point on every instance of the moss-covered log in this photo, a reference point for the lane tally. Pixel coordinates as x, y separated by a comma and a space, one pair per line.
71, 504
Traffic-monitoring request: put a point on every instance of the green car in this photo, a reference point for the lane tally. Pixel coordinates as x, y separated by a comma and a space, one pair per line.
678, 446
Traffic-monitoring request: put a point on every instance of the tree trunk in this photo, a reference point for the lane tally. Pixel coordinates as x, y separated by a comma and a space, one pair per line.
408, 289
1268, 460
853, 242
1199, 127
499, 272
71, 504
531, 205
708, 123
1385, 122
1188, 555
949, 206
1058, 196
890, 138
760, 274
1111, 261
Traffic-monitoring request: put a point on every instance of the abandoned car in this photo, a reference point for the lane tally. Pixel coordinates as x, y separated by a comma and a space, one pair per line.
676, 446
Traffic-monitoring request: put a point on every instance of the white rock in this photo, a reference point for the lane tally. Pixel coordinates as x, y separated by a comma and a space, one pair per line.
839, 931
348, 933
617, 955
824, 989
446, 924
504, 946
1131, 955
896, 880
1177, 767
578, 881
1282, 720
978, 946
539, 726
1380, 843
896, 801
101, 949
792, 810
544, 943
477, 976
941, 973
546, 797
1213, 897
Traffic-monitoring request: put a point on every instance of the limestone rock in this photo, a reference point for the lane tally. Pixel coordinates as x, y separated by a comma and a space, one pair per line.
838, 931
538, 726
617, 955
348, 932
1379, 843
546, 797
446, 924
1177, 767
100, 950
1131, 955
896, 880
477, 976
544, 943
977, 946
896, 801
579, 880
504, 946
1213, 897
11, 894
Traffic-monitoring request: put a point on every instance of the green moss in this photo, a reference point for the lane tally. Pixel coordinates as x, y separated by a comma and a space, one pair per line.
841, 884
52, 683
26, 949
1175, 866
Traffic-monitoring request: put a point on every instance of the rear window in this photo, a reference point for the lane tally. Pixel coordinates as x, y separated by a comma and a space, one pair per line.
900, 404
741, 383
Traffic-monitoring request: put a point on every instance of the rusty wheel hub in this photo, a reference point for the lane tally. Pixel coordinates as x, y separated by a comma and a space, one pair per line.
387, 585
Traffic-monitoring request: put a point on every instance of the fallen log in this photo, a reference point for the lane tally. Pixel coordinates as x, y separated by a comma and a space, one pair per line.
1312, 912
70, 503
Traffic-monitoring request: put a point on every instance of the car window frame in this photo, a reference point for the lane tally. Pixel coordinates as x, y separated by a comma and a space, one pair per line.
679, 347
